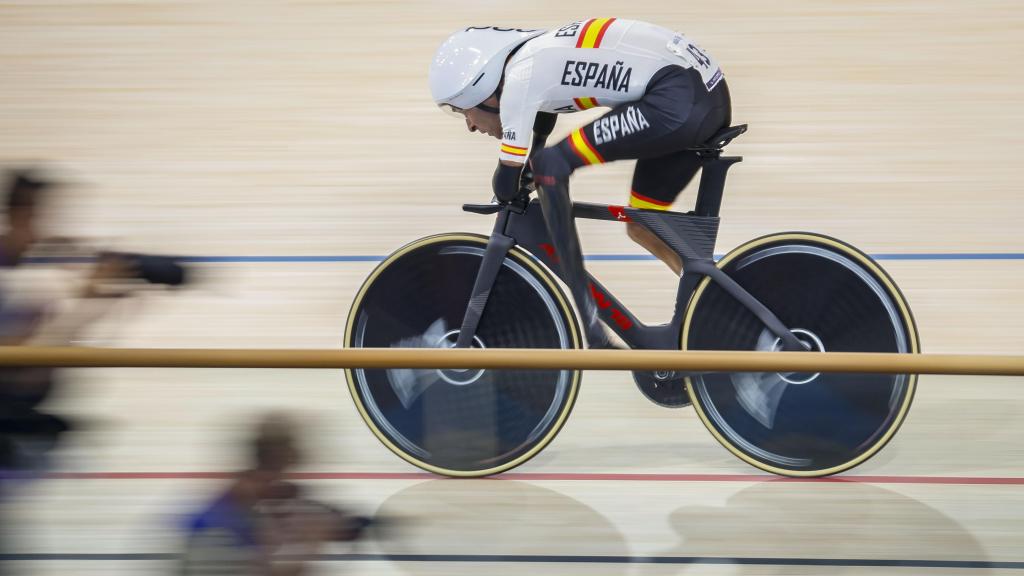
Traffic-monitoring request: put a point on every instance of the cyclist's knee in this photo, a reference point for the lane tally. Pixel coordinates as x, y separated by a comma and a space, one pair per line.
550, 167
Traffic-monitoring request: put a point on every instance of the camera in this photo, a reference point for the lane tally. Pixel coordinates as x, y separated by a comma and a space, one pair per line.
165, 270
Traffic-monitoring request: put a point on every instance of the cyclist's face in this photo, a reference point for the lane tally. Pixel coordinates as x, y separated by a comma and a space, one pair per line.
488, 123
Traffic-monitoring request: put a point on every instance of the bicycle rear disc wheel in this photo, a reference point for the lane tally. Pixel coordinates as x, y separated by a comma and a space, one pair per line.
835, 299
462, 422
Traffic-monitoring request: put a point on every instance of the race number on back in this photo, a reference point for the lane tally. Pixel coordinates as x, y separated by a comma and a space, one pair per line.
695, 57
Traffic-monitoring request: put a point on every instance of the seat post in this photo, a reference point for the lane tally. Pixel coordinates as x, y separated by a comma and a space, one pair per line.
712, 181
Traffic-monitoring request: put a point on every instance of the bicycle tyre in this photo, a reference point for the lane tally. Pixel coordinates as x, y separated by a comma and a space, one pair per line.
802, 424
466, 423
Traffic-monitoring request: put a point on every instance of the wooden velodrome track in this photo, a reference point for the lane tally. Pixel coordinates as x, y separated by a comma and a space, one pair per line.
294, 130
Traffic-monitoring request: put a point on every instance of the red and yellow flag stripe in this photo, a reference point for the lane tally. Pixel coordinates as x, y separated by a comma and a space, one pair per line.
585, 103
583, 148
640, 201
513, 150
593, 32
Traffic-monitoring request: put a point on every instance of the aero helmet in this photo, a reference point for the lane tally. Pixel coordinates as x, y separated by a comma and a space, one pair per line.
468, 66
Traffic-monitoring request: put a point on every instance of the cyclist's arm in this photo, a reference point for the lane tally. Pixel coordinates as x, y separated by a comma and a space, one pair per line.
508, 176
514, 151
519, 114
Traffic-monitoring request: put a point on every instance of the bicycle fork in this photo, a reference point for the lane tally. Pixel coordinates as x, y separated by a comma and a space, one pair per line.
497, 248
557, 208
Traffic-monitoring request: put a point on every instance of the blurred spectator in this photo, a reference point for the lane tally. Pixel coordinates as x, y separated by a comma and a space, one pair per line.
261, 524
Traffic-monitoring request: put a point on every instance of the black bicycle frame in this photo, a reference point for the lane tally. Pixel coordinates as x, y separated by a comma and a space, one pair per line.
691, 235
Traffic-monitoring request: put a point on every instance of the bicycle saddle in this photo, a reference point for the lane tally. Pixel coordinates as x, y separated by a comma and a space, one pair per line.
721, 138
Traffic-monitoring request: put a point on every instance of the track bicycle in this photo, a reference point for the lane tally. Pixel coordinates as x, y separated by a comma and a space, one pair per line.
785, 291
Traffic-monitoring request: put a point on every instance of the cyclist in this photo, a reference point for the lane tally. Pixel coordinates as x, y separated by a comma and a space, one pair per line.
666, 94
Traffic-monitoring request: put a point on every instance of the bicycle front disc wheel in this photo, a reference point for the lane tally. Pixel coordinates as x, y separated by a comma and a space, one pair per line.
835, 299
462, 422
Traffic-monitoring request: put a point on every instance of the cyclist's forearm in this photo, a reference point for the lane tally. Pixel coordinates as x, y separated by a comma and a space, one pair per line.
505, 181
542, 127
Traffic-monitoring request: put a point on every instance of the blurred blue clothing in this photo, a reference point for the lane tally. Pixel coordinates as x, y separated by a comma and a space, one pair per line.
226, 516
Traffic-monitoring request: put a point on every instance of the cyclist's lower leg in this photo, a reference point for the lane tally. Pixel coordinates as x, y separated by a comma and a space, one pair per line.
650, 242
551, 173
657, 182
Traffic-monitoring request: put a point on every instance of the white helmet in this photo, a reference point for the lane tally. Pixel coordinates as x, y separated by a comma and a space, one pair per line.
468, 66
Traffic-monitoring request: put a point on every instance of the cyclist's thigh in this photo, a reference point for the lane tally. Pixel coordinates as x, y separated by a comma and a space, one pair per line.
676, 113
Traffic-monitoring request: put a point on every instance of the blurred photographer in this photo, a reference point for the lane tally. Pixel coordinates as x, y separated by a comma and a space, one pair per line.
73, 305
262, 524
43, 309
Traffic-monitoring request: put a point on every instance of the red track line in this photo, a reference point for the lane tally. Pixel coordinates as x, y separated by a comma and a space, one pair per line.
535, 476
